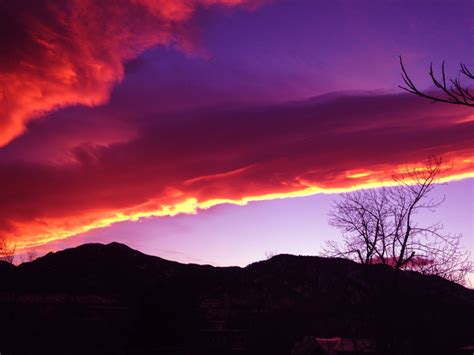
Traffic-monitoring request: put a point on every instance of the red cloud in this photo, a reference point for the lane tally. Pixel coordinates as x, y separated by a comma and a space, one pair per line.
58, 53
183, 163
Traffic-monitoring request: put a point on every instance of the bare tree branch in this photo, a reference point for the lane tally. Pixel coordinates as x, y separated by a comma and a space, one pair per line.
7, 250
379, 226
453, 90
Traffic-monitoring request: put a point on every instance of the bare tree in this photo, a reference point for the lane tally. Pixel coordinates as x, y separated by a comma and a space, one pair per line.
379, 226
452, 90
7, 250
30, 256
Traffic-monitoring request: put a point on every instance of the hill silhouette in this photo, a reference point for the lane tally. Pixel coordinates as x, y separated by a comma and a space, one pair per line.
98, 299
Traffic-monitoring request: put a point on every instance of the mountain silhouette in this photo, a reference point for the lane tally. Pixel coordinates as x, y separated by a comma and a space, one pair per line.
97, 299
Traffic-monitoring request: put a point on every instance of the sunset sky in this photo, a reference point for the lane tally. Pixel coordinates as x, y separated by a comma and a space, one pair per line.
215, 131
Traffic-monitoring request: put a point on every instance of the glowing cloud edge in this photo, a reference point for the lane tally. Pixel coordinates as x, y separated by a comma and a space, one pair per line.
192, 206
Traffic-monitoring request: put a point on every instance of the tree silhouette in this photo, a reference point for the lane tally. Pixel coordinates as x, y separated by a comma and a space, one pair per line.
30, 256
7, 250
453, 91
379, 226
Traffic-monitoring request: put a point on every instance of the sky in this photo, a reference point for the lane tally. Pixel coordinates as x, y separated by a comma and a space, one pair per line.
216, 131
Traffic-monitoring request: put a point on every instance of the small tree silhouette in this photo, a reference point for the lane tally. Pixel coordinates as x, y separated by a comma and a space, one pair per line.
378, 226
7, 250
30, 256
454, 91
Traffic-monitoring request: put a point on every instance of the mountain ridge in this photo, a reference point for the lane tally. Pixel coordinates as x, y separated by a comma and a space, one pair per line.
106, 290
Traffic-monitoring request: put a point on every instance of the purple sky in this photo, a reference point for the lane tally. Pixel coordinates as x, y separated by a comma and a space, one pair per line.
239, 235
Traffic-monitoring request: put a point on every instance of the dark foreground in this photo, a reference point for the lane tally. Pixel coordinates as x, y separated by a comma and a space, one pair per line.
110, 299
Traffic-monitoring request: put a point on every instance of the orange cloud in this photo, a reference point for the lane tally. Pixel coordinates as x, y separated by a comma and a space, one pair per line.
57, 54
44, 230
236, 156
